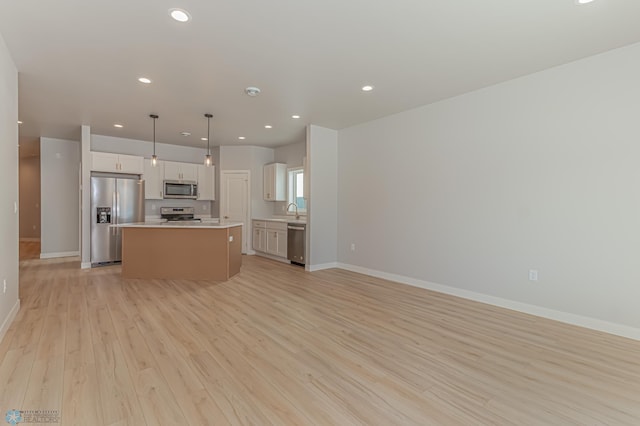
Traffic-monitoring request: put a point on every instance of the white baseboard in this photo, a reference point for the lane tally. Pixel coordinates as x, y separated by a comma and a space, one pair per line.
59, 254
251, 253
321, 266
30, 239
7, 322
579, 320
85, 265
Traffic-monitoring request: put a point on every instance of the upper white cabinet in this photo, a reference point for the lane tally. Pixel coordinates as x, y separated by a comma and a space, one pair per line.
116, 163
206, 183
174, 170
153, 177
275, 182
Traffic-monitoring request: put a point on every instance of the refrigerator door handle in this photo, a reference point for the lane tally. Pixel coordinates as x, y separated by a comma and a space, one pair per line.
114, 216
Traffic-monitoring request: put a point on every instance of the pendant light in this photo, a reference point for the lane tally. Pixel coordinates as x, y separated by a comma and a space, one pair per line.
208, 161
154, 157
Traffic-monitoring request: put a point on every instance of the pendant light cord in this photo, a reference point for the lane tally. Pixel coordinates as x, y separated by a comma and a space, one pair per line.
155, 117
208, 132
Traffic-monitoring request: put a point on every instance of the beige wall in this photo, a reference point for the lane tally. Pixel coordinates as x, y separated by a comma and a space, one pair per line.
29, 196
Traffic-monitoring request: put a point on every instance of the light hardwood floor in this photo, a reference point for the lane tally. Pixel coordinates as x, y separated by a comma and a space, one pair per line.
277, 345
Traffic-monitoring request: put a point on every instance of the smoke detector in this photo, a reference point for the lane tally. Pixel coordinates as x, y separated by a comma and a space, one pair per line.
252, 91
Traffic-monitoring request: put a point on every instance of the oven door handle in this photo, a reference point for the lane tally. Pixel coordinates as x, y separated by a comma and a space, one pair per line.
297, 228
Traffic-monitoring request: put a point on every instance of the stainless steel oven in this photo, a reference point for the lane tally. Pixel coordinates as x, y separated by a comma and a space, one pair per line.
181, 189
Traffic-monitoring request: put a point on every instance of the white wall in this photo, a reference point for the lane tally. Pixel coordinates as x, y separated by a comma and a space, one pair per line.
85, 196
166, 152
60, 197
322, 211
292, 155
541, 172
9, 302
251, 158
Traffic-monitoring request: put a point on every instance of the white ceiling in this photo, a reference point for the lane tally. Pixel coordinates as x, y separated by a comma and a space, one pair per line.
79, 60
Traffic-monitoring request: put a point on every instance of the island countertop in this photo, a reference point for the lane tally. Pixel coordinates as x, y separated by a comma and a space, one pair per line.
181, 224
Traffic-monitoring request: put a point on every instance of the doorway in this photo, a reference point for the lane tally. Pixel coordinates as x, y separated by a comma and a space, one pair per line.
29, 196
235, 199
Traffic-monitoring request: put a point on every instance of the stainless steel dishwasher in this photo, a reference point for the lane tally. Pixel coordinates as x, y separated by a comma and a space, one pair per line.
296, 237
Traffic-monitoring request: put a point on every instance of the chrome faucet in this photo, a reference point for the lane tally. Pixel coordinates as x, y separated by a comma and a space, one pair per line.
296, 206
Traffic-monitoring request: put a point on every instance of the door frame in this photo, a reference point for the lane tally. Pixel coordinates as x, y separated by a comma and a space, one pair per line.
247, 234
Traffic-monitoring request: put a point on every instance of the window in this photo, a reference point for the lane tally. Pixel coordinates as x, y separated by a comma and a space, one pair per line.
295, 193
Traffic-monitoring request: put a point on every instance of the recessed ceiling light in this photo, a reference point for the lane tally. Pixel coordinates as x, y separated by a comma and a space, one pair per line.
144, 80
185, 133
268, 126
119, 126
19, 122
203, 139
367, 88
180, 15
241, 138
583, 1
295, 116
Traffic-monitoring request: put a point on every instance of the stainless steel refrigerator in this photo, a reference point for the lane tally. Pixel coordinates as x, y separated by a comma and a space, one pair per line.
115, 199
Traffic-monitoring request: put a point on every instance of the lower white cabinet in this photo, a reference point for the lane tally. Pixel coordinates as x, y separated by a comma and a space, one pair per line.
270, 237
277, 242
259, 239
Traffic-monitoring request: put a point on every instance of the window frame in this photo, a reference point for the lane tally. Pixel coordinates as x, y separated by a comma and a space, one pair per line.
291, 173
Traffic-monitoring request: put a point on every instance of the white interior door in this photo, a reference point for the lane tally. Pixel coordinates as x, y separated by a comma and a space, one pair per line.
235, 201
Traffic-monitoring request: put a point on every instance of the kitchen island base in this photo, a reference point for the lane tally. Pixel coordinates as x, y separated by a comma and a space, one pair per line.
181, 253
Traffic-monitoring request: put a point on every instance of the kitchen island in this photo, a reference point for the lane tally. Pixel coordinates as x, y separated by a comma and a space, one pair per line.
181, 250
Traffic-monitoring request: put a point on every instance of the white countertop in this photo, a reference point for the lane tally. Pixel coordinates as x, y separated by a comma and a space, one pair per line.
186, 224
281, 220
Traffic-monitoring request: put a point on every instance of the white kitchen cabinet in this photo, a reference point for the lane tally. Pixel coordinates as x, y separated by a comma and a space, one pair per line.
206, 183
174, 170
259, 239
153, 177
270, 237
116, 163
277, 242
275, 182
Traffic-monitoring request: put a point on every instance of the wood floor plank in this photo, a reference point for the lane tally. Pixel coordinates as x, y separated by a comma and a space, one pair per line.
278, 345
81, 399
15, 370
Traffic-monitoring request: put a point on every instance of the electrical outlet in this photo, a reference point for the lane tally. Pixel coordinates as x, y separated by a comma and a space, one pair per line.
4, 286
533, 275
353, 246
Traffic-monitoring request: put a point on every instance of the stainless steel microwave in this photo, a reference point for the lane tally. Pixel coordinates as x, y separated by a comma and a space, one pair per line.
180, 189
